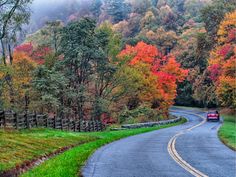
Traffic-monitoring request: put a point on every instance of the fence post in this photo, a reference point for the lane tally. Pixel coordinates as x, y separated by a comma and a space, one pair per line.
36, 120
4, 119
55, 122
74, 125
17, 121
47, 121
27, 120
61, 123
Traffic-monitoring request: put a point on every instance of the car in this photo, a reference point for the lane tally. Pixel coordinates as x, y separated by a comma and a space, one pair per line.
213, 115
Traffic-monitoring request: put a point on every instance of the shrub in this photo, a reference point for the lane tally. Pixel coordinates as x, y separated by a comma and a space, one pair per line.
140, 114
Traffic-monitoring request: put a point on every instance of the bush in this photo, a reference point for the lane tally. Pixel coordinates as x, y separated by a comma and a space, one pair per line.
140, 114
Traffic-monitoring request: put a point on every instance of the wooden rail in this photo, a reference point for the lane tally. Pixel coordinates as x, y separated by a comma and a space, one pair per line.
27, 121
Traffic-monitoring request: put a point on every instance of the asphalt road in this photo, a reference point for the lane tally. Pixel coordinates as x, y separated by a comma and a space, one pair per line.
146, 155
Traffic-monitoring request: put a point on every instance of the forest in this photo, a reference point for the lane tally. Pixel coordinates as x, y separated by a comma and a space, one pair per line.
117, 60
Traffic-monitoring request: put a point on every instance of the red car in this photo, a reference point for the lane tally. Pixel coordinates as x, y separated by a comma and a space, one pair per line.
213, 115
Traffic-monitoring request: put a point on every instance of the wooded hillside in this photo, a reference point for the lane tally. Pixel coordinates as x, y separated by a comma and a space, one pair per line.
118, 60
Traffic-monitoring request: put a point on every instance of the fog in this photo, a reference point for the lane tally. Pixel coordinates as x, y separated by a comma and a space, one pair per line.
48, 10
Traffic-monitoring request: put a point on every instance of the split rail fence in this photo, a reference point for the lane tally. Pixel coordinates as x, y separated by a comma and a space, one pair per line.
27, 121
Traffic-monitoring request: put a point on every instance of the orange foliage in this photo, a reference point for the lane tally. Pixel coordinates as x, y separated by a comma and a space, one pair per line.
141, 52
19, 76
224, 57
165, 69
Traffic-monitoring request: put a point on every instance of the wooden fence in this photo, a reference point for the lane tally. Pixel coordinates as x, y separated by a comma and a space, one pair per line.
27, 121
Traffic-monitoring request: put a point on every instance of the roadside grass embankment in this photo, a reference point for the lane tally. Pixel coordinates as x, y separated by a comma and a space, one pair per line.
227, 131
17, 147
70, 163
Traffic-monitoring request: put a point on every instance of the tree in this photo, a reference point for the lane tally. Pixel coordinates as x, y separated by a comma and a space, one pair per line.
222, 62
140, 6
164, 40
13, 14
49, 90
161, 74
117, 9
108, 45
216, 11
79, 50
37, 53
148, 20
17, 81
96, 8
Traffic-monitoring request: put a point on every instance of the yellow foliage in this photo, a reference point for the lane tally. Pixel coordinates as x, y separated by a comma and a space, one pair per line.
228, 23
18, 81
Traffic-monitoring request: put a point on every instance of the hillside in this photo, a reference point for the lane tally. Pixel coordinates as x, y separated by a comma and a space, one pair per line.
120, 59
173, 26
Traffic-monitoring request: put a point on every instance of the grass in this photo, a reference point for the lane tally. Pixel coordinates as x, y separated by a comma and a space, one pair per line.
227, 132
190, 108
17, 147
69, 163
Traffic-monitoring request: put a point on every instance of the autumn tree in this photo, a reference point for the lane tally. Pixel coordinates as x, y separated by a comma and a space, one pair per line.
222, 62
17, 81
216, 10
161, 74
164, 40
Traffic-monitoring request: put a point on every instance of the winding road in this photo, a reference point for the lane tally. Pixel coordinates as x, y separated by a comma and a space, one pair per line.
191, 149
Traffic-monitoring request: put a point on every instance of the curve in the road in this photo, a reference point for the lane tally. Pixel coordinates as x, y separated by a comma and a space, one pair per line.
146, 155
175, 155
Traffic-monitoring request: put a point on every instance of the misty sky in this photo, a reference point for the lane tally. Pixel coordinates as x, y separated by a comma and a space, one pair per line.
48, 10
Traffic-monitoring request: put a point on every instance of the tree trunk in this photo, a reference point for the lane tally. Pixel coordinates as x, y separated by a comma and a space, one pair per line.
10, 54
3, 52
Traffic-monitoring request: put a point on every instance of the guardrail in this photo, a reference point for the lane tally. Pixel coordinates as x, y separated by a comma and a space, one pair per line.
150, 124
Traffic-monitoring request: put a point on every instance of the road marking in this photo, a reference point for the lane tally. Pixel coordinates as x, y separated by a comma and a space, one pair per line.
175, 155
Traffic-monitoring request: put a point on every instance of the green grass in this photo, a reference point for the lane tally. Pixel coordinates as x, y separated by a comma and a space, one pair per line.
19, 146
227, 132
69, 163
190, 108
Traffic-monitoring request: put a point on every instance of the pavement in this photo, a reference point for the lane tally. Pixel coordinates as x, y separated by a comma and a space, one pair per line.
146, 155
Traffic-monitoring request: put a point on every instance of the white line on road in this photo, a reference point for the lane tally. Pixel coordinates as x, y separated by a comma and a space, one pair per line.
175, 155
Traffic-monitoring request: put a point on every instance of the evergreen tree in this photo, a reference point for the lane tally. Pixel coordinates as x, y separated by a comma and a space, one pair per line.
118, 9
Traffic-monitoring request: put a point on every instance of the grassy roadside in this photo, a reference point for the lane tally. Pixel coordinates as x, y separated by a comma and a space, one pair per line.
69, 163
190, 108
227, 132
17, 147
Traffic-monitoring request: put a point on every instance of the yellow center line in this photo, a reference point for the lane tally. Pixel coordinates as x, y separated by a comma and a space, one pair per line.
175, 155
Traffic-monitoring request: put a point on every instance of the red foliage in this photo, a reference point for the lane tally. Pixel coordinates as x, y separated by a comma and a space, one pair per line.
232, 35
26, 48
166, 69
141, 52
224, 51
215, 71
40, 53
106, 119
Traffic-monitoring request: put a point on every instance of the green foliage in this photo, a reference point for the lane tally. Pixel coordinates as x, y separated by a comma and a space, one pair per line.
13, 15
50, 86
184, 94
118, 9
96, 8
140, 114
